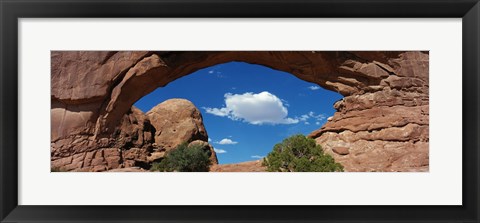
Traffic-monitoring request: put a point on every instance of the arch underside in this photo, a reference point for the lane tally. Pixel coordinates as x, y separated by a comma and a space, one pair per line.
381, 124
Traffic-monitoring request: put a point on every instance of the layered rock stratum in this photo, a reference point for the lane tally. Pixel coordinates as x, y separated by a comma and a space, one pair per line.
381, 124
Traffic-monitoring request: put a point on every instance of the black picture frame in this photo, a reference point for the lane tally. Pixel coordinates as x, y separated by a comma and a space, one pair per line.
11, 11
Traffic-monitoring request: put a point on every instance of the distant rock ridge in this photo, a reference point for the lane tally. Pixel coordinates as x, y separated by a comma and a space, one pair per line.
249, 166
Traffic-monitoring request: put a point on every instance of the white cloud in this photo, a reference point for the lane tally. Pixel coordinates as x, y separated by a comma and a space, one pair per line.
257, 109
318, 117
313, 88
226, 142
311, 115
257, 157
219, 150
304, 118
209, 139
217, 73
218, 112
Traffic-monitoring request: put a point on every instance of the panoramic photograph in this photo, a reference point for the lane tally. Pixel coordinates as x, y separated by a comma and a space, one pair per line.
239, 111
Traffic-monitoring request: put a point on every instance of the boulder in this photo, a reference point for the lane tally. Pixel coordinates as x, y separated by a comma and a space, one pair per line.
176, 121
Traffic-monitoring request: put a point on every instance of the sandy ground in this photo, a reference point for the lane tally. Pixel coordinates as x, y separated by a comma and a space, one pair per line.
250, 166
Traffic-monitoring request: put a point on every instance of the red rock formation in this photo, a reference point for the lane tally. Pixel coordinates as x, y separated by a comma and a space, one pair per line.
383, 119
134, 142
387, 129
178, 121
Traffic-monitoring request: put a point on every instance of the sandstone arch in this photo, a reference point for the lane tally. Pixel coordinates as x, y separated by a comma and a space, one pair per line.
385, 109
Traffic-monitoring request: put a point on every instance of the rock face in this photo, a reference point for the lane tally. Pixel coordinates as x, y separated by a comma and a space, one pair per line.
130, 145
341, 150
134, 144
387, 129
382, 119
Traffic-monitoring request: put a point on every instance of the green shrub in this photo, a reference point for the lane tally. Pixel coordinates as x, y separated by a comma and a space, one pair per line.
300, 154
184, 159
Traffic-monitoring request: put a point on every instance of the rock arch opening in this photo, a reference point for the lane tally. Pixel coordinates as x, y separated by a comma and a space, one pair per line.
380, 125
246, 108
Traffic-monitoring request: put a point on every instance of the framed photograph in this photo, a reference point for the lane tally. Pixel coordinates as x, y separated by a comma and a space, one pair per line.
227, 111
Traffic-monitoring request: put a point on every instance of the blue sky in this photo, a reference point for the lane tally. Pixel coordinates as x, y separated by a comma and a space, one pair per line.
248, 108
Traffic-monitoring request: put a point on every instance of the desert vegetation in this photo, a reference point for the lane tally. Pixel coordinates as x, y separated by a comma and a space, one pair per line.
297, 153
184, 158
300, 154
